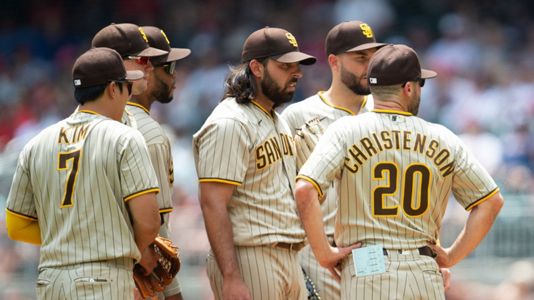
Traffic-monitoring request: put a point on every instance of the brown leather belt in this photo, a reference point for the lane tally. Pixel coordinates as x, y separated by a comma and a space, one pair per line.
290, 246
425, 250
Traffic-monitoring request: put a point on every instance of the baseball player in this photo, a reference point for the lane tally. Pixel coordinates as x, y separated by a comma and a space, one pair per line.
245, 161
132, 44
160, 87
349, 46
396, 173
85, 190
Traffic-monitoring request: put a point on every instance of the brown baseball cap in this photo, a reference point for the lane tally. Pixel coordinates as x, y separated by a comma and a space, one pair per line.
349, 37
99, 66
127, 39
158, 39
396, 64
276, 43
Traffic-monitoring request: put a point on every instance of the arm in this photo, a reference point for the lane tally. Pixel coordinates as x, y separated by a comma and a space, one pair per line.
214, 199
23, 229
312, 219
478, 224
146, 222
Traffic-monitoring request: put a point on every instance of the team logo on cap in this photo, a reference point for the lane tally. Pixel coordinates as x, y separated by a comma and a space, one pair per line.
77, 82
143, 34
366, 30
165, 36
292, 40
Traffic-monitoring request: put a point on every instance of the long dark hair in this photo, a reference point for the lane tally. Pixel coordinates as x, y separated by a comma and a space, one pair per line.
240, 82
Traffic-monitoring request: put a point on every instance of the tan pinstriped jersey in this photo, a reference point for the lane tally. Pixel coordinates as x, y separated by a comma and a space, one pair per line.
159, 147
244, 145
75, 178
299, 113
396, 174
316, 106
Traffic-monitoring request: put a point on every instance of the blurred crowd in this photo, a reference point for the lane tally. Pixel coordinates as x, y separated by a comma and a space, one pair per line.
483, 52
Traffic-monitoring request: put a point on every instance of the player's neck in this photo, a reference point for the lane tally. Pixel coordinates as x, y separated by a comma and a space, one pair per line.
102, 109
345, 98
394, 104
264, 102
142, 100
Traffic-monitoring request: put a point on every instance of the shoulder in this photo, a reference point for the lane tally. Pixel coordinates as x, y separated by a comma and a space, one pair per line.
226, 115
298, 108
229, 111
149, 128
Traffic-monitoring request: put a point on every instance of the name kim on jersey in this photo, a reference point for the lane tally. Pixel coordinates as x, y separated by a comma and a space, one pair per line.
270, 150
397, 139
72, 134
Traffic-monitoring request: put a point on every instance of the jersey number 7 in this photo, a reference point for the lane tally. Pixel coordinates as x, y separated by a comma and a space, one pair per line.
64, 157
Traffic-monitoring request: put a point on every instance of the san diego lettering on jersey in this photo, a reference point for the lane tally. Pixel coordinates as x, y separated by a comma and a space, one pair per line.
371, 145
270, 150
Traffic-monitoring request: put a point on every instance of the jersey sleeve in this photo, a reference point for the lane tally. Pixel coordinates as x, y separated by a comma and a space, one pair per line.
327, 159
222, 152
20, 200
160, 157
137, 173
471, 184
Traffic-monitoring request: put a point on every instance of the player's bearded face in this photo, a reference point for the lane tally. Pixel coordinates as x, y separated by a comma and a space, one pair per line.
163, 91
353, 82
274, 92
413, 106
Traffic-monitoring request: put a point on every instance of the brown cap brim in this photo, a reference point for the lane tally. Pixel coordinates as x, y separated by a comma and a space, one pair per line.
151, 52
178, 53
425, 74
296, 56
366, 46
134, 75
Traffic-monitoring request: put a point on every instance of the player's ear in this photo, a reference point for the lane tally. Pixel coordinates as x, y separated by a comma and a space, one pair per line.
408, 88
112, 90
333, 61
256, 68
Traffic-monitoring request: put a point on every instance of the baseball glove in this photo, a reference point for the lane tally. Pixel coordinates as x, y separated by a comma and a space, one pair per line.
306, 137
163, 274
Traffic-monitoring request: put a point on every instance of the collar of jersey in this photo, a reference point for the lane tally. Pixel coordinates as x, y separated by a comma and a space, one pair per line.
321, 96
392, 111
88, 112
138, 105
261, 108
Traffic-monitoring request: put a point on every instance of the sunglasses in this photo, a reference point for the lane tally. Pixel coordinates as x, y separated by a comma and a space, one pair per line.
169, 67
141, 60
421, 82
129, 85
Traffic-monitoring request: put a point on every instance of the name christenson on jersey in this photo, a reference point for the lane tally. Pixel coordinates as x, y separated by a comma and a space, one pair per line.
397, 139
270, 151
72, 134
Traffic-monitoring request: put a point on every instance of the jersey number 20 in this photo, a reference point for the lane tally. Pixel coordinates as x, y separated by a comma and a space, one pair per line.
411, 207
64, 157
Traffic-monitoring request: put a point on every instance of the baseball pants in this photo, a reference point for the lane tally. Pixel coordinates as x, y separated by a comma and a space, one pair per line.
327, 286
409, 276
270, 273
99, 280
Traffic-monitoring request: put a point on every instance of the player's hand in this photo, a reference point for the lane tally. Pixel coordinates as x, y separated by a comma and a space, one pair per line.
443, 256
337, 254
234, 288
149, 260
446, 274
